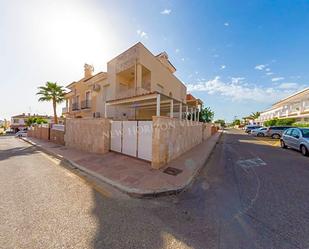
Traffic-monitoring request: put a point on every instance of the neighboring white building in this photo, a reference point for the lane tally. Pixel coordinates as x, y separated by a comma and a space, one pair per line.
294, 106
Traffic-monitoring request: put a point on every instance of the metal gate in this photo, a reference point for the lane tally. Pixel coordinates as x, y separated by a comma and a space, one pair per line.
133, 138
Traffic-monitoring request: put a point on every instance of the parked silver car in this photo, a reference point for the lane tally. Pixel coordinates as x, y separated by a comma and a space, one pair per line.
296, 138
260, 132
276, 131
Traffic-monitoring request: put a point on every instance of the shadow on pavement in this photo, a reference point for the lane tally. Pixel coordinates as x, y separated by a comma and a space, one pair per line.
17, 151
235, 202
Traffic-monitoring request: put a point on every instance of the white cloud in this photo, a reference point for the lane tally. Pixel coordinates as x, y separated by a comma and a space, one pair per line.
238, 90
269, 73
277, 79
182, 59
226, 24
166, 12
223, 67
142, 34
177, 50
260, 67
288, 86
267, 69
237, 80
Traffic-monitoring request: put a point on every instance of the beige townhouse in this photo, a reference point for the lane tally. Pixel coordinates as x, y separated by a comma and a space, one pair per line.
137, 86
138, 108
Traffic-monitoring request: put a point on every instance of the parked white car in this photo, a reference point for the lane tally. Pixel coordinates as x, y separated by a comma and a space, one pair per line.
260, 132
21, 134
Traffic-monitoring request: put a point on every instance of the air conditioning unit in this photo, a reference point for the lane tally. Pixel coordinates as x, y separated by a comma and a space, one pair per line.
96, 87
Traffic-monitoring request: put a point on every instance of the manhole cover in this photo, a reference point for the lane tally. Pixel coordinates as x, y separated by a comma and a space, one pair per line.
172, 171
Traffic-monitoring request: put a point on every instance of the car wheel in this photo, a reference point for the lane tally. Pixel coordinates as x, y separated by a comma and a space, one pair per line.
275, 136
303, 150
260, 134
282, 144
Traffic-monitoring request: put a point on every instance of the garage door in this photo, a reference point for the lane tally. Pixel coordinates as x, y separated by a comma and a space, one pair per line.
133, 138
129, 138
116, 136
145, 140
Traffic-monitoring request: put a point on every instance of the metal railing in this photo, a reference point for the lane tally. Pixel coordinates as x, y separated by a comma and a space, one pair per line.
86, 104
131, 92
75, 106
64, 109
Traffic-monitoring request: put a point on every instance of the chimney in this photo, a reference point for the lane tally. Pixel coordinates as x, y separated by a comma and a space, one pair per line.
88, 70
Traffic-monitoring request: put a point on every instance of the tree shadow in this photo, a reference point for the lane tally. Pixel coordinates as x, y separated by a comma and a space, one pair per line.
17, 151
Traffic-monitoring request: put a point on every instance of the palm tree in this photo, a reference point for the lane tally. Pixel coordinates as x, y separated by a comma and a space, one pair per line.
52, 92
255, 115
206, 115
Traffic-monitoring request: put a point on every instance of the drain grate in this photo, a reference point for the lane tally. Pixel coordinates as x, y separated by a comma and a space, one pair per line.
172, 171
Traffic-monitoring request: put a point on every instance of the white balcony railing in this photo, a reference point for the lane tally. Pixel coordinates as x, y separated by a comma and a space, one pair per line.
64, 110
131, 92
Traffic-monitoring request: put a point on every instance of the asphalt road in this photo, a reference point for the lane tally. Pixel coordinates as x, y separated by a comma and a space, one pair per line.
249, 195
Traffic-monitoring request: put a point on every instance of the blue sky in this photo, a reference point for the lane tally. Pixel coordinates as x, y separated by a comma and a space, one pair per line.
237, 56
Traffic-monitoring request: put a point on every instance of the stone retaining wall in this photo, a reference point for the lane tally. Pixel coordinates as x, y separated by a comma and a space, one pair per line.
39, 132
207, 130
88, 134
172, 137
57, 136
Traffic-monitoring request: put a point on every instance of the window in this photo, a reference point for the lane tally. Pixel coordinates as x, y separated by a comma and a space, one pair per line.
88, 96
295, 133
105, 93
288, 132
305, 132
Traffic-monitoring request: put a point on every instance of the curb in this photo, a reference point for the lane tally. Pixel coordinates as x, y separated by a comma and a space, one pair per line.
133, 192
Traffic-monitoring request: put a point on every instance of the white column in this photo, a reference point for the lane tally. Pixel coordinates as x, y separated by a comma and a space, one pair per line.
105, 111
194, 114
191, 114
180, 111
187, 111
171, 108
198, 115
158, 105
138, 77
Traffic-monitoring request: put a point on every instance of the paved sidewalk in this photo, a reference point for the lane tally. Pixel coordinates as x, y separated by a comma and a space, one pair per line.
133, 176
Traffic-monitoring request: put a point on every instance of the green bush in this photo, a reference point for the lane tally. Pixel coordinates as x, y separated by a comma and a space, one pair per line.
221, 122
285, 121
271, 122
279, 122
305, 125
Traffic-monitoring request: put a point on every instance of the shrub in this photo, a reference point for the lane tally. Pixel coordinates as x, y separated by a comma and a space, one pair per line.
285, 121
271, 122
305, 125
279, 122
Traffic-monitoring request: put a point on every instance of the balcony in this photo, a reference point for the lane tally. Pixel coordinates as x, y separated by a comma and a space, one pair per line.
131, 92
75, 106
65, 110
86, 104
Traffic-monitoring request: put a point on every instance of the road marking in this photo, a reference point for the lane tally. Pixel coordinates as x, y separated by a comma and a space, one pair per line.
249, 163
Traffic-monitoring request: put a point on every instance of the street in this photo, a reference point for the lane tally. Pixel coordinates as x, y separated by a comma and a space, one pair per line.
251, 194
